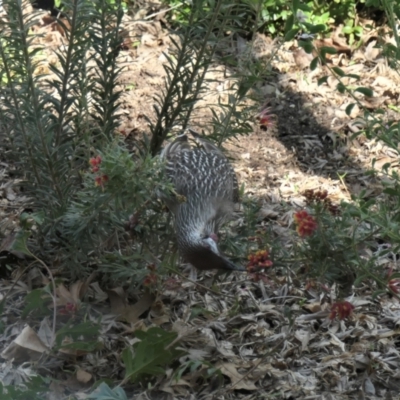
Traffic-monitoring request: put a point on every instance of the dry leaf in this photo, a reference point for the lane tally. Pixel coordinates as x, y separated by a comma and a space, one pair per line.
83, 376
236, 378
130, 313
46, 333
26, 347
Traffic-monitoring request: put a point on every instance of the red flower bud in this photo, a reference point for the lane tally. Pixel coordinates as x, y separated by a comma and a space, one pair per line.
341, 310
306, 224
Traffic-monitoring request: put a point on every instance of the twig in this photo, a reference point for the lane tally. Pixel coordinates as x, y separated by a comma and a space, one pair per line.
54, 296
162, 11
199, 284
344, 184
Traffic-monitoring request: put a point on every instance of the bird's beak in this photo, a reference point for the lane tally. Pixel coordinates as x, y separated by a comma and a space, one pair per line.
229, 265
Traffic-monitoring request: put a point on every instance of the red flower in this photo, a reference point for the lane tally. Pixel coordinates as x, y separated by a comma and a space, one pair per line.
172, 284
95, 161
310, 284
152, 268
101, 180
258, 261
266, 119
150, 280
321, 197
68, 309
341, 310
306, 224
394, 285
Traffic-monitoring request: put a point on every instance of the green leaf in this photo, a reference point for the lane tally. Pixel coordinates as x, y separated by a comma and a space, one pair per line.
27, 218
347, 30
358, 30
365, 91
316, 28
272, 29
151, 354
340, 87
291, 34
338, 71
386, 166
358, 280
304, 7
83, 346
104, 392
328, 50
322, 80
19, 243
296, 5
396, 275
391, 192
349, 108
289, 24
36, 300
306, 45
396, 10
378, 293
32, 389
354, 76
81, 332
314, 63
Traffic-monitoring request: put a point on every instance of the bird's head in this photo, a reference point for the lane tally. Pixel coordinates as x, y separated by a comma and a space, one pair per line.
204, 254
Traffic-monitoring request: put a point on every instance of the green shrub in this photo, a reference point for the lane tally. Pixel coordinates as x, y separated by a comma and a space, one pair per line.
57, 125
271, 16
54, 130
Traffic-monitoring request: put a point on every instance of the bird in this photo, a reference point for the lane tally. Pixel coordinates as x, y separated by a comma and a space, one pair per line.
205, 192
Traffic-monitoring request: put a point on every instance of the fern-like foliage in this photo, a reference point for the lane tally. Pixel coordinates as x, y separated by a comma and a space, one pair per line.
55, 123
199, 46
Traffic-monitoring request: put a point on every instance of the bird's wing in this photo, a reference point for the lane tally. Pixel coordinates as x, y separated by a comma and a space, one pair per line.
196, 171
225, 170
203, 175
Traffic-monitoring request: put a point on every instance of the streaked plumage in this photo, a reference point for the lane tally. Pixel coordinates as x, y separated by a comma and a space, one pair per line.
206, 182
